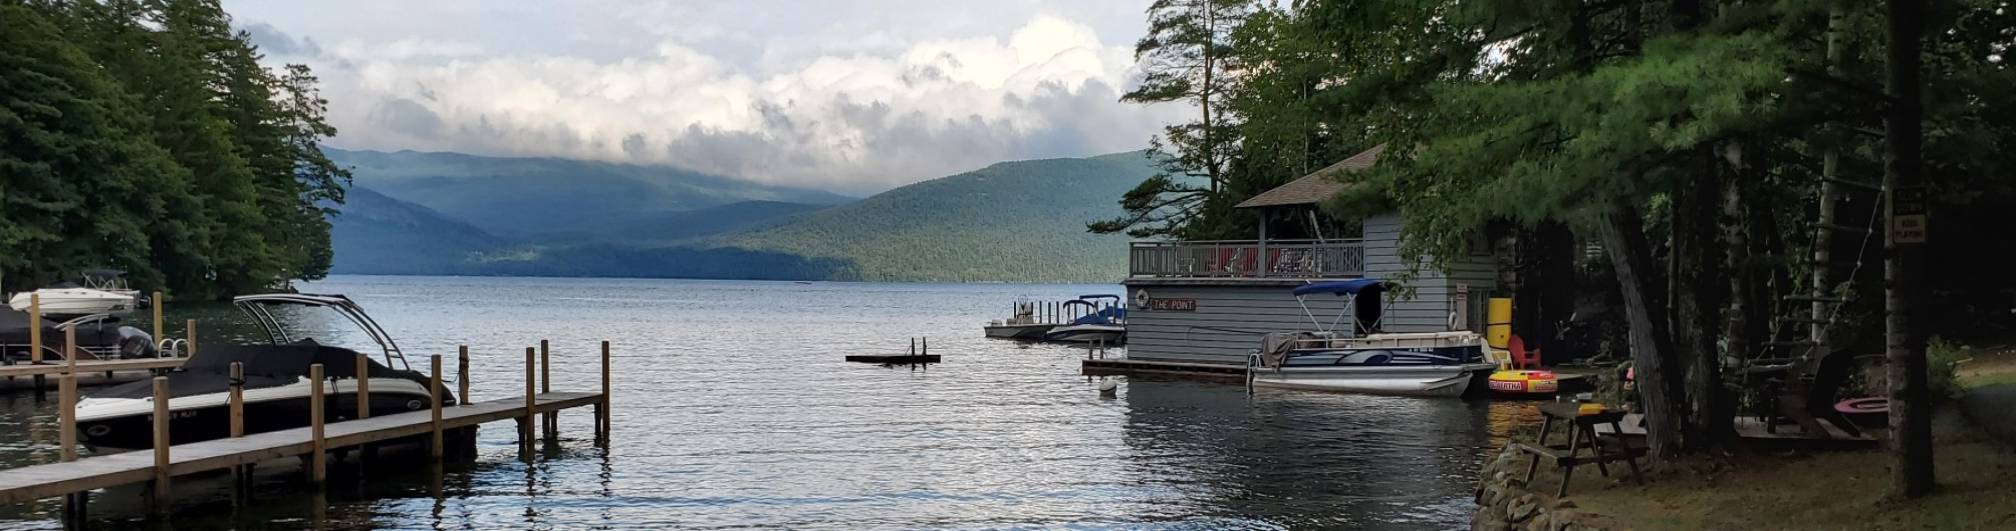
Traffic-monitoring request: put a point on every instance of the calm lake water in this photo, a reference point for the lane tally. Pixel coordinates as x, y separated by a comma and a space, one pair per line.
733, 409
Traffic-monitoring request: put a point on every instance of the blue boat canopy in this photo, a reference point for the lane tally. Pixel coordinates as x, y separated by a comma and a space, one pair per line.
1341, 287
1099, 296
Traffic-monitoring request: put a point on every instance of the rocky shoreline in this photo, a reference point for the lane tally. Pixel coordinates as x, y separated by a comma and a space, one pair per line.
1505, 504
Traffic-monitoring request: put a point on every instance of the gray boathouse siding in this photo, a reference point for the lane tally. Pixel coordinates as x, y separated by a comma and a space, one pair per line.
1232, 313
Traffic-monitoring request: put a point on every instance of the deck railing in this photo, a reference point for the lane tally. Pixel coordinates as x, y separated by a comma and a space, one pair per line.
1248, 258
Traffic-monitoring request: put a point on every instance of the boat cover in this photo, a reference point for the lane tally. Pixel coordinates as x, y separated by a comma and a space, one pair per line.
265, 366
14, 331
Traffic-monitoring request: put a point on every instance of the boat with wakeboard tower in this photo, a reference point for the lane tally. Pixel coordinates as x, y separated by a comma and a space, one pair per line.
276, 381
1361, 359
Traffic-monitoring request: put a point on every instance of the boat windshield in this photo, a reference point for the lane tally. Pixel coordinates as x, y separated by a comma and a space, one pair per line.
259, 307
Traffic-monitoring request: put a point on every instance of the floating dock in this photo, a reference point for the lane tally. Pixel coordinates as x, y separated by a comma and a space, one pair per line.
915, 357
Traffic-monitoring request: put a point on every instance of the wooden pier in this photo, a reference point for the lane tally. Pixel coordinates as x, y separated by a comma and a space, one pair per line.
74, 478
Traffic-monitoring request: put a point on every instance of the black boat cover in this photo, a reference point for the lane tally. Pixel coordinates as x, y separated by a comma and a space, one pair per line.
265, 366
14, 330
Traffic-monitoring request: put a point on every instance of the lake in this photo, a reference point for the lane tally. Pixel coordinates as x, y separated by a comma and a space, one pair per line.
733, 409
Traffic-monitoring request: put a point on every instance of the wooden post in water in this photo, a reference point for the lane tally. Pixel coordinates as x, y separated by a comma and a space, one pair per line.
602, 408
35, 340
237, 399
241, 477
462, 375
159, 326
318, 459
549, 422
531, 409
161, 444
434, 390
66, 404
363, 387
189, 349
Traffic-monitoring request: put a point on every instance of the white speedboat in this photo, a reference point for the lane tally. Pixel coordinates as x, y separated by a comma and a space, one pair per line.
74, 301
276, 383
1442, 364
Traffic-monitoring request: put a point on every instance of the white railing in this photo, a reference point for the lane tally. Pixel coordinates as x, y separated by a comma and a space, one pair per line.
1248, 258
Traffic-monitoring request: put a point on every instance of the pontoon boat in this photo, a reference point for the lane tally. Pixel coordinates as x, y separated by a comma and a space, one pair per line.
1363, 360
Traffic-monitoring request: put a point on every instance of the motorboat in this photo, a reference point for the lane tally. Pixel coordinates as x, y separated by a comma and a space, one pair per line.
102, 291
276, 384
99, 336
1023, 325
1362, 359
1101, 321
71, 299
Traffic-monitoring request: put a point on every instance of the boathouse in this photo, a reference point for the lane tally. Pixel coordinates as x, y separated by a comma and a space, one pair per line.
1210, 301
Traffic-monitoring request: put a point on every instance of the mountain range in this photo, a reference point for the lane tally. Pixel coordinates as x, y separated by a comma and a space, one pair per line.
457, 214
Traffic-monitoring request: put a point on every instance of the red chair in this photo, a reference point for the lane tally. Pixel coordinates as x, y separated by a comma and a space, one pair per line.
1522, 358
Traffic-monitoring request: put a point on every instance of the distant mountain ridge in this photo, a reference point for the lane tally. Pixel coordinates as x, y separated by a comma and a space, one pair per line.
442, 213
530, 196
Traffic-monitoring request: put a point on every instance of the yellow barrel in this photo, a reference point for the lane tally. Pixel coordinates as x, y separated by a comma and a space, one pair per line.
1498, 323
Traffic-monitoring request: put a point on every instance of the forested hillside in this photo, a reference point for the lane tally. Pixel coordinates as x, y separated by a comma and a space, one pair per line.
549, 199
1013, 221
147, 136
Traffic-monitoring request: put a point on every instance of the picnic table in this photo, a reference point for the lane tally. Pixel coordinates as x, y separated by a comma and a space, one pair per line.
1581, 426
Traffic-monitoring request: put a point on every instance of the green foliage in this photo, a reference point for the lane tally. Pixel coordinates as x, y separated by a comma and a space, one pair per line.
146, 136
1942, 367
1187, 56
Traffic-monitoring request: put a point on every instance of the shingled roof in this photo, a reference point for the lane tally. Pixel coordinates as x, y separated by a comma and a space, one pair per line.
1317, 186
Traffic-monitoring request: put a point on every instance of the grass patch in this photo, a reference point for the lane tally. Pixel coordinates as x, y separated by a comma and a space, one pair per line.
1830, 490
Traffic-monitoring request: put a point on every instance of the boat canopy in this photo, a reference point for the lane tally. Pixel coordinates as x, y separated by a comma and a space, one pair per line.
255, 306
1097, 296
1341, 287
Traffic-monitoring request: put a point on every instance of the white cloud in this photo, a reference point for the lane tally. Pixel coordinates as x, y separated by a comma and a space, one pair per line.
855, 104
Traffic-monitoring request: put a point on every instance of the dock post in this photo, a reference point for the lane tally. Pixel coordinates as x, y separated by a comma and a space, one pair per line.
550, 421
66, 404
602, 408
363, 387
318, 458
531, 410
35, 340
189, 348
159, 328
241, 478
462, 375
159, 501
434, 390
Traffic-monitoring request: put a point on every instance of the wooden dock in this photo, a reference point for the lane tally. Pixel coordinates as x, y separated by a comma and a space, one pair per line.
56, 479
1114, 366
73, 478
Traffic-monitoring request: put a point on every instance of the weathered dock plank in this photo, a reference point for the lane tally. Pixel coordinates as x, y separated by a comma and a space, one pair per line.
31, 483
90, 366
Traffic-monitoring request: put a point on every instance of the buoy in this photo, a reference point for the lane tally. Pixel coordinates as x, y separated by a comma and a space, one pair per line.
1525, 382
1109, 388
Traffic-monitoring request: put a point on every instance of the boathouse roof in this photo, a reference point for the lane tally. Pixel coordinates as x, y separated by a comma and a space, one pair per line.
1317, 186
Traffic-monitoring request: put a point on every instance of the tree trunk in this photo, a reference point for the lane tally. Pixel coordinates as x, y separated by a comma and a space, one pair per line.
1739, 330
1697, 296
1623, 237
1904, 353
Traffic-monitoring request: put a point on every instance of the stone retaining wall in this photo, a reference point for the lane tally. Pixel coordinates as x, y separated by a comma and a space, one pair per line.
1505, 504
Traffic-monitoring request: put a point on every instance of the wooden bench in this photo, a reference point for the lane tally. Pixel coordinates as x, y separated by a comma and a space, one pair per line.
1581, 428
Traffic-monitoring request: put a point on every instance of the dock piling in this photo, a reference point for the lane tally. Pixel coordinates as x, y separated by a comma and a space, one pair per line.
318, 458
462, 376
434, 390
531, 409
161, 444
550, 421
35, 340
66, 404
237, 399
602, 408
189, 346
159, 325
363, 387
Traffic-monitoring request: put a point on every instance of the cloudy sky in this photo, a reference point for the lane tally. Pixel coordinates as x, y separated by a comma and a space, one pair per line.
854, 96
